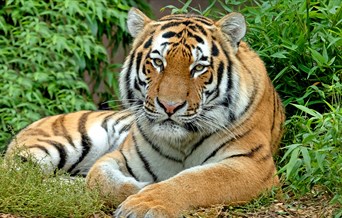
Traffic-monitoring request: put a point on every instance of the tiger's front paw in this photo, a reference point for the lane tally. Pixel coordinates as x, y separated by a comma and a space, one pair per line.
150, 203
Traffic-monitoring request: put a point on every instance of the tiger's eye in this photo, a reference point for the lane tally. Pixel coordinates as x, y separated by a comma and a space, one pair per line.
158, 62
199, 67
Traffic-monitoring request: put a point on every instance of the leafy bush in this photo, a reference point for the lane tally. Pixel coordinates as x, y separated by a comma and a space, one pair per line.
46, 46
314, 156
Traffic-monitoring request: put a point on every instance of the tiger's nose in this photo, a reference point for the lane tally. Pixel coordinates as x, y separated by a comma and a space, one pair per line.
170, 107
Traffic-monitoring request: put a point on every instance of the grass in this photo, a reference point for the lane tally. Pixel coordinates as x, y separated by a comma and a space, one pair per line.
25, 191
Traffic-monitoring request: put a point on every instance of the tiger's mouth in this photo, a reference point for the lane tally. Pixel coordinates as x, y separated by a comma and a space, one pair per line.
170, 122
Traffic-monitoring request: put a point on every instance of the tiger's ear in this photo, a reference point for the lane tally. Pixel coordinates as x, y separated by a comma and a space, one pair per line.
233, 25
136, 21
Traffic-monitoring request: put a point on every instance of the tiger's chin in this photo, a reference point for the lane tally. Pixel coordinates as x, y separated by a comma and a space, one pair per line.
166, 130
169, 129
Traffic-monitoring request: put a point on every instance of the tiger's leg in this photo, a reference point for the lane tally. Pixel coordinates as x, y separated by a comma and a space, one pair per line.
233, 180
111, 176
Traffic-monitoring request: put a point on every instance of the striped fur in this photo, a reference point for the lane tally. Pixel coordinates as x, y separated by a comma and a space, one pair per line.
72, 142
201, 125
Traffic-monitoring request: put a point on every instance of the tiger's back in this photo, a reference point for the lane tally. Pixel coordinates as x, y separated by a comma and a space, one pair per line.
202, 122
72, 142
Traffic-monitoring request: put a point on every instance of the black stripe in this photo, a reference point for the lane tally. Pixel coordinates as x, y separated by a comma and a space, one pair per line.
211, 78
191, 127
127, 82
59, 129
229, 80
202, 20
138, 61
197, 145
36, 132
148, 43
252, 98
196, 27
41, 148
197, 18
85, 140
202, 30
141, 82
173, 17
125, 128
187, 22
248, 154
193, 28
61, 150
129, 169
100, 113
122, 118
169, 34
165, 43
190, 34
220, 71
105, 121
265, 157
204, 58
155, 147
136, 86
144, 70
156, 51
76, 172
199, 39
224, 144
214, 50
169, 24
56, 125
232, 116
143, 159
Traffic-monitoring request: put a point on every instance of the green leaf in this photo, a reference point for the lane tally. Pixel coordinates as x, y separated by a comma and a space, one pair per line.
307, 159
293, 165
320, 59
280, 54
308, 111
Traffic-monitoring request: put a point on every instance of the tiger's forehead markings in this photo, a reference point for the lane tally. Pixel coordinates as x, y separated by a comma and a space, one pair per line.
182, 34
194, 22
169, 43
180, 17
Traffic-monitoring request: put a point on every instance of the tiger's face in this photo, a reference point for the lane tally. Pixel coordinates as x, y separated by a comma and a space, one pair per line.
178, 77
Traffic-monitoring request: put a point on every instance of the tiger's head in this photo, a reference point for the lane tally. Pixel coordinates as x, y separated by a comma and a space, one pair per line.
179, 77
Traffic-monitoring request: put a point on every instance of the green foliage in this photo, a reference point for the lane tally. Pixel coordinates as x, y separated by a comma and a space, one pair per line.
45, 48
313, 156
300, 43
26, 192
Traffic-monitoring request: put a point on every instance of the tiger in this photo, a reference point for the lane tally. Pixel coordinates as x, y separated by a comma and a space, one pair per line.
200, 126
